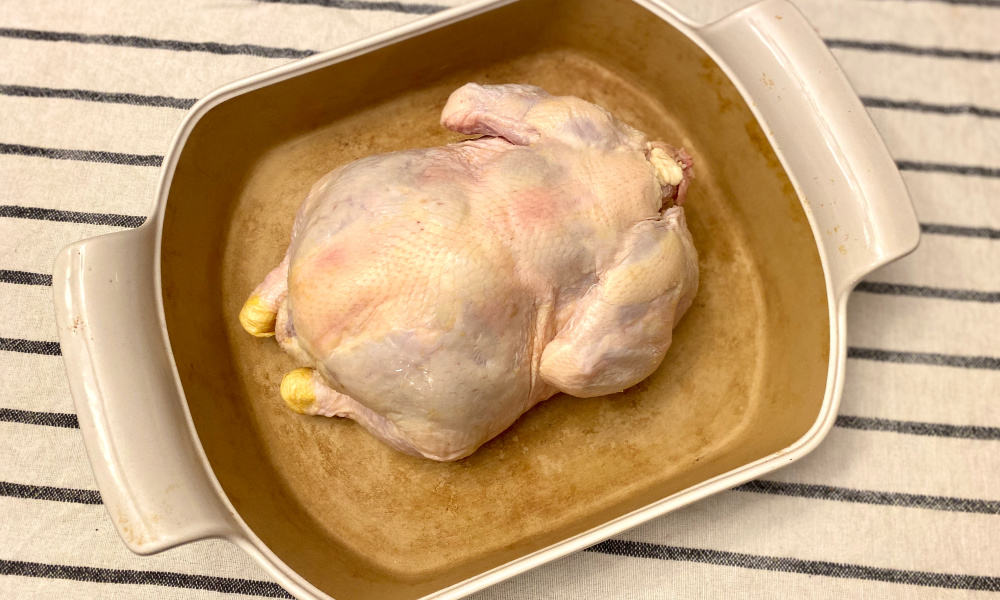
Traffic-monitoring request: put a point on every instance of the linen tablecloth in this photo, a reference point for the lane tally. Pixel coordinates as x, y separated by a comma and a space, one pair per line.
901, 500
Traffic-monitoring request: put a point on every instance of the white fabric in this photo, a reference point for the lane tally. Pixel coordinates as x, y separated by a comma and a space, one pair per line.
903, 498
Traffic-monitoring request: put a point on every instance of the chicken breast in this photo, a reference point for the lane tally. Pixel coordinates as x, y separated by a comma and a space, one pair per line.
435, 295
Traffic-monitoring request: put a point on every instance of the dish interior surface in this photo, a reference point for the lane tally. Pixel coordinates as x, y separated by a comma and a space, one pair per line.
745, 376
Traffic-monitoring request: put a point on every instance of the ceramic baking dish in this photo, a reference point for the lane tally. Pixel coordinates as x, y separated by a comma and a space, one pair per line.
796, 198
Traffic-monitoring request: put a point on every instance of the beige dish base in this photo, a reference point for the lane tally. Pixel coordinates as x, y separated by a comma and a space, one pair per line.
745, 376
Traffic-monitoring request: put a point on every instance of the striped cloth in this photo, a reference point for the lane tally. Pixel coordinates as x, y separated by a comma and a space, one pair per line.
902, 499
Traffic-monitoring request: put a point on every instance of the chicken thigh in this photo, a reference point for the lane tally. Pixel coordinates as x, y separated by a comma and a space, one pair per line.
435, 295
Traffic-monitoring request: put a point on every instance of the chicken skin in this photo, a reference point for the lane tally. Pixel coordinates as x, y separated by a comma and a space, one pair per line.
435, 295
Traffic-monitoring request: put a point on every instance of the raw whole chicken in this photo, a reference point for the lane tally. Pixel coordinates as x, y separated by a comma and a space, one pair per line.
434, 295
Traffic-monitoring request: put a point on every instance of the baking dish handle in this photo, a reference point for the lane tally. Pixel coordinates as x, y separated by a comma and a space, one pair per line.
857, 202
151, 476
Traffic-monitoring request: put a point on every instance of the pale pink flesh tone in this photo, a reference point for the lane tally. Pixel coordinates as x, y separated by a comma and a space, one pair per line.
441, 292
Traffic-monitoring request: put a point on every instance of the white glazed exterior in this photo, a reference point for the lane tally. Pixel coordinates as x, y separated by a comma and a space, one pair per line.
156, 480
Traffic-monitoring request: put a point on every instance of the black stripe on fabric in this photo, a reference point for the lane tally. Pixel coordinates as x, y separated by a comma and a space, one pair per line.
69, 216
925, 358
100, 156
969, 432
24, 277
920, 291
30, 346
95, 96
913, 165
914, 50
30, 417
842, 494
796, 565
44, 492
133, 41
944, 109
407, 8
225, 585
979, 232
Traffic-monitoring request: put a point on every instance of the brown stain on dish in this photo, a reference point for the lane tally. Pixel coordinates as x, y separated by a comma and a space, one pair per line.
744, 377
134, 534
714, 79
